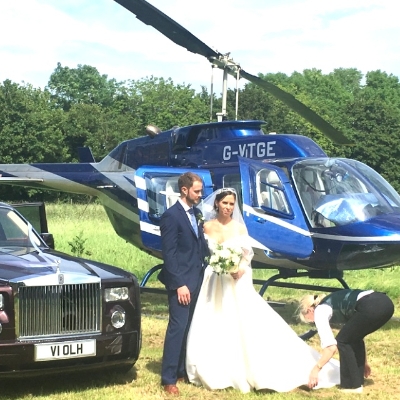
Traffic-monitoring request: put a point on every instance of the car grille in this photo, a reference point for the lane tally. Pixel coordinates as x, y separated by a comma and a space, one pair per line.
60, 310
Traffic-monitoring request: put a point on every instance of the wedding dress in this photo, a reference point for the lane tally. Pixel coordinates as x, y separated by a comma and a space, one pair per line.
237, 340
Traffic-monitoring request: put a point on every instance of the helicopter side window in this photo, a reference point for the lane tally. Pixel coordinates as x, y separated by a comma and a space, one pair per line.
278, 197
172, 192
180, 141
192, 137
154, 197
270, 192
206, 135
264, 192
162, 193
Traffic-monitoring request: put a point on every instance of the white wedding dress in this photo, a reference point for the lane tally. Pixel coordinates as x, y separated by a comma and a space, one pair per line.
237, 340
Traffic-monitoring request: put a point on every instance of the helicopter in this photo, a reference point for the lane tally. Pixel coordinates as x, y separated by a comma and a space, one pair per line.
308, 215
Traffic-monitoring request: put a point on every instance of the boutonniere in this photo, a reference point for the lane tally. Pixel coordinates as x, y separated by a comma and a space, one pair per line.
200, 219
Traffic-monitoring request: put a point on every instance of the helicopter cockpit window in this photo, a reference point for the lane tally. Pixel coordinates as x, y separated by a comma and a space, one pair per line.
335, 193
310, 187
270, 193
387, 191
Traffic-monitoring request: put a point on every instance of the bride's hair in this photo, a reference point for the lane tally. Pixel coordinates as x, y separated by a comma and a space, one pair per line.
222, 194
308, 301
209, 209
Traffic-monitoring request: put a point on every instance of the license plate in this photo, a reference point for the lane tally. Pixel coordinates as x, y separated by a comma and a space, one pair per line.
64, 350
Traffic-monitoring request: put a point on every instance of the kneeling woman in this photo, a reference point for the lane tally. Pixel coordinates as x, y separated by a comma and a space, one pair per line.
361, 312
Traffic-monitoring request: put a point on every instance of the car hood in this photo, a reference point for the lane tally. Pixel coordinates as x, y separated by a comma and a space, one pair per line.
51, 267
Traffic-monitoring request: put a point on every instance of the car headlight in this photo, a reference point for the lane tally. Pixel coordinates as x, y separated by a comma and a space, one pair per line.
116, 294
118, 317
1, 302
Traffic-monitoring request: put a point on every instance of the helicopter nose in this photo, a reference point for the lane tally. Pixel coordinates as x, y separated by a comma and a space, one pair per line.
377, 244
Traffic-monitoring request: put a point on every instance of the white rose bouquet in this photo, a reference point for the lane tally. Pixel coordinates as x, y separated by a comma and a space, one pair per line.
225, 259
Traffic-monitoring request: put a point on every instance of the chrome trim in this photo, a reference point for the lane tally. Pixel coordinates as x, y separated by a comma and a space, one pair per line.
58, 310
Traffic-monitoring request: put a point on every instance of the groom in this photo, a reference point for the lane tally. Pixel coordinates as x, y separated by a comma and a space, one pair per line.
184, 249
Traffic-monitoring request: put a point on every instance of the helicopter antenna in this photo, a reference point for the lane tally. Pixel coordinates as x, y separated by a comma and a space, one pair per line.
237, 93
212, 92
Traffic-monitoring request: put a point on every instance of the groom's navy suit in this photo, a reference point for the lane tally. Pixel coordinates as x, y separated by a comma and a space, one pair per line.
183, 253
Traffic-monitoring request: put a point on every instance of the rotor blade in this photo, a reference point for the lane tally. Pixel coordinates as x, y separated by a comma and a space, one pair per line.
150, 15
294, 104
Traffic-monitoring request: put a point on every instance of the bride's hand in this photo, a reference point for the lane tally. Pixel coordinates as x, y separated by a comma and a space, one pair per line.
237, 275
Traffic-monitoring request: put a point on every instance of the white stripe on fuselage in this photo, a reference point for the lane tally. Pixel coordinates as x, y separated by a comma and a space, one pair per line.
274, 220
339, 238
393, 238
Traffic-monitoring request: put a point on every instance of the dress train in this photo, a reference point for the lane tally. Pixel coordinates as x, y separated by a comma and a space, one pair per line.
237, 340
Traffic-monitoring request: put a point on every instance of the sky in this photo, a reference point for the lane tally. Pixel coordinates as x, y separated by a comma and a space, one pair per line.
263, 36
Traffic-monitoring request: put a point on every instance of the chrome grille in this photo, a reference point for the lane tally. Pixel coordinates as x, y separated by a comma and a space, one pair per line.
58, 310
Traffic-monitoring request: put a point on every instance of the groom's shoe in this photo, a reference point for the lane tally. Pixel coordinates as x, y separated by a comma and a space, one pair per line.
171, 389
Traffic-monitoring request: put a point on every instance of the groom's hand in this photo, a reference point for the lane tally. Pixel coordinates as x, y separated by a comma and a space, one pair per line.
183, 295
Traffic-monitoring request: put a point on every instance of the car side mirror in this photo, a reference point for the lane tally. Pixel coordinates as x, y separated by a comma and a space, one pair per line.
48, 238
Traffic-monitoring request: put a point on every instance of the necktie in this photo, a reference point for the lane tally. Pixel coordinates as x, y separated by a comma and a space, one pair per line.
193, 221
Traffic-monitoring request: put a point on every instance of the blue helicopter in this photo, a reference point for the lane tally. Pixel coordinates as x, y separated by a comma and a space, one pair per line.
308, 215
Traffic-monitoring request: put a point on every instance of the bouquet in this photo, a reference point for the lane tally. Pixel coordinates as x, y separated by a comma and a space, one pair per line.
225, 259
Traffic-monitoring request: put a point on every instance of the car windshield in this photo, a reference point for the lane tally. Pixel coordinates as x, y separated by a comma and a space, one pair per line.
340, 191
16, 236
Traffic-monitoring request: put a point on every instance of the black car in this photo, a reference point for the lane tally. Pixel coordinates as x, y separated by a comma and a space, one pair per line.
59, 312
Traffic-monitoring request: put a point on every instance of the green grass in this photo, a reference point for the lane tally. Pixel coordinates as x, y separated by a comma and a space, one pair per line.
71, 223
92, 227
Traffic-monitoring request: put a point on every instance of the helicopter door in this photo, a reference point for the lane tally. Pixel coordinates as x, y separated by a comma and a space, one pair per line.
271, 210
157, 190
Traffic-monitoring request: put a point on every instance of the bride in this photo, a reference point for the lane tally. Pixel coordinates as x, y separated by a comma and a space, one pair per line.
236, 339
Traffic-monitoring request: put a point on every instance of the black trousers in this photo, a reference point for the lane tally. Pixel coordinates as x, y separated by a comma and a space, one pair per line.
372, 312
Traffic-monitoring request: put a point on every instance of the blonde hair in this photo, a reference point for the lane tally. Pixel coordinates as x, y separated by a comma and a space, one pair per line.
307, 302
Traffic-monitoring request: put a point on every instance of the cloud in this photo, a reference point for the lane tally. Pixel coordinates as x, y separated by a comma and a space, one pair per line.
262, 35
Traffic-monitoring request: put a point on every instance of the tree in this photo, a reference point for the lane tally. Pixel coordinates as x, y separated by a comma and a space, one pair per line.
376, 122
83, 84
160, 102
30, 129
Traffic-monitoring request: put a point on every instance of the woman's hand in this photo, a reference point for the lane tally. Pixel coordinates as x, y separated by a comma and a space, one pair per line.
237, 275
327, 354
313, 378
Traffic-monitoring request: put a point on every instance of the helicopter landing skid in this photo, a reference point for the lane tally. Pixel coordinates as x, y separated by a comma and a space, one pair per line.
269, 282
284, 274
151, 271
145, 279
